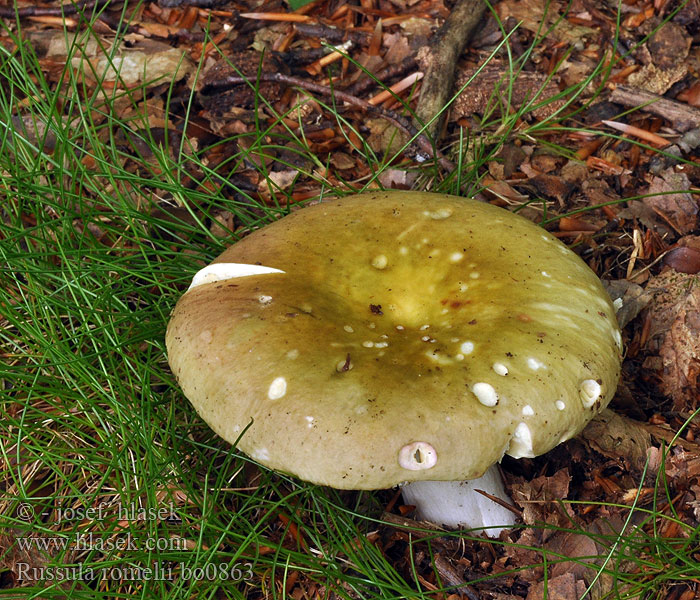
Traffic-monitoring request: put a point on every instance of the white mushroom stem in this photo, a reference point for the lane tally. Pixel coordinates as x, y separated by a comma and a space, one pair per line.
457, 503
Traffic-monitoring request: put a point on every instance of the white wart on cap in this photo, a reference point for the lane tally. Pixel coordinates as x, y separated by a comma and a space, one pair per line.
393, 337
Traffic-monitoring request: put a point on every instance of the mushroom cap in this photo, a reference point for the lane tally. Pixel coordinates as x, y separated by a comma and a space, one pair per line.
396, 336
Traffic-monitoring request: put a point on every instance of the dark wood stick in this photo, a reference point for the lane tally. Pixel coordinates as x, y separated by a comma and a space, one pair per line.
443, 54
682, 116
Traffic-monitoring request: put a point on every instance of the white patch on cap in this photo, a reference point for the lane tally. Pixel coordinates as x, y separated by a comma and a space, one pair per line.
424, 327
368, 344
560, 404
310, 421
534, 364
403, 250
618, 339
528, 411
455, 257
439, 214
205, 336
260, 454
459, 356
400, 327
474, 275
265, 300
463, 287
485, 393
467, 347
381, 344
348, 328
546, 274
521, 442
500, 369
417, 456
223, 271
277, 389
380, 261
589, 392
617, 304
292, 354
438, 358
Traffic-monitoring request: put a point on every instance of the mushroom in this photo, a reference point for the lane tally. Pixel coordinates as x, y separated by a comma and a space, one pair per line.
395, 337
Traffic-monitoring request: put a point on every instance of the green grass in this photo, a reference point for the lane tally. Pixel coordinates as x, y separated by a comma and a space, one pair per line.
105, 469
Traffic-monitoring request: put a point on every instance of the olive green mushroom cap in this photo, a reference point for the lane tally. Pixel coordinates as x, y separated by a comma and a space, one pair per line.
396, 336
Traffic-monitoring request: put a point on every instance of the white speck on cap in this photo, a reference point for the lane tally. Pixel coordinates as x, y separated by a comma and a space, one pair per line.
417, 456
528, 411
521, 442
455, 257
400, 327
589, 392
474, 275
463, 287
265, 300
500, 369
277, 389
380, 261
292, 354
534, 364
485, 393
260, 454
403, 250
310, 421
381, 344
618, 303
348, 328
223, 271
368, 344
467, 347
560, 404
546, 274
439, 214
438, 358
424, 327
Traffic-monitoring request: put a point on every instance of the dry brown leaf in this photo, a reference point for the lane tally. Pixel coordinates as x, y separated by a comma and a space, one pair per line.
669, 199
560, 587
669, 46
538, 498
674, 335
619, 438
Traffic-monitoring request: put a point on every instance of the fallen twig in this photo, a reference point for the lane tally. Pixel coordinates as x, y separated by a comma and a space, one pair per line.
682, 116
